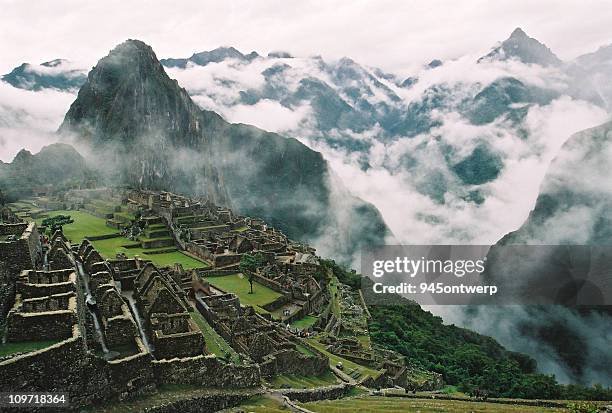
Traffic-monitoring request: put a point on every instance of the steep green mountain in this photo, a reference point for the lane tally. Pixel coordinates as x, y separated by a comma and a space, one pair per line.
56, 74
524, 48
147, 129
58, 164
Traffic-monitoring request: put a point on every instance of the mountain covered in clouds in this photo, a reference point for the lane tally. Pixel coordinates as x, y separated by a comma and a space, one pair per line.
450, 138
574, 206
57, 164
146, 131
567, 260
57, 74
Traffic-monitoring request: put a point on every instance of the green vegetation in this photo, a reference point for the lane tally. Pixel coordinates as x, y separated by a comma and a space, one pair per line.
304, 323
348, 365
84, 225
303, 382
110, 247
583, 407
239, 285
304, 350
250, 262
262, 404
56, 222
467, 359
24, 346
400, 405
341, 272
332, 286
214, 342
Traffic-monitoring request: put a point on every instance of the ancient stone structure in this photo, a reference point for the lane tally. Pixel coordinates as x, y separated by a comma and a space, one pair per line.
20, 246
45, 307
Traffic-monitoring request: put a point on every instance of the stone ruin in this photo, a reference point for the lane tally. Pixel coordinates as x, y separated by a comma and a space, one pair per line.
163, 305
45, 306
254, 336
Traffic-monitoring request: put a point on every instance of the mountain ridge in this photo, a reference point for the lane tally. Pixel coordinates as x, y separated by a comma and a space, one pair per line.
151, 129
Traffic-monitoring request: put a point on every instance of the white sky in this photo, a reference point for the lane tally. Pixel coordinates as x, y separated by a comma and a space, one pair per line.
394, 35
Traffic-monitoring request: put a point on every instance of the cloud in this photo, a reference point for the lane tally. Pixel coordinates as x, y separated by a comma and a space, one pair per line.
29, 119
390, 34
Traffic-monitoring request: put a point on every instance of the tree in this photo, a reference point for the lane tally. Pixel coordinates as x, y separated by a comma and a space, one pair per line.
249, 264
57, 222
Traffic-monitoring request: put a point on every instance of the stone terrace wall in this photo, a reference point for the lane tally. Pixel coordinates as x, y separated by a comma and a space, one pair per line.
63, 367
322, 393
293, 362
273, 285
52, 325
206, 371
208, 403
22, 253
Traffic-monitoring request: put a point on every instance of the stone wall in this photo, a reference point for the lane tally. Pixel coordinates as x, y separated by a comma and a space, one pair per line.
63, 367
278, 303
226, 259
273, 285
52, 325
322, 393
177, 345
31, 284
131, 377
293, 362
21, 254
206, 371
206, 403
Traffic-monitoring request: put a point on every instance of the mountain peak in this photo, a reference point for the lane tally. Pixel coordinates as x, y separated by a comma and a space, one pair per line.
22, 155
521, 47
132, 93
518, 33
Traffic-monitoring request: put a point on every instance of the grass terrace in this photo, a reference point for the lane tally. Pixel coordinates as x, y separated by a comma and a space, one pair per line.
400, 405
261, 404
6, 349
239, 285
349, 366
304, 323
214, 342
333, 292
110, 247
304, 382
84, 225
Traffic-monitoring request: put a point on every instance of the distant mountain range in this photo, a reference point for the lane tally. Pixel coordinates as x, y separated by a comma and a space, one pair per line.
56, 74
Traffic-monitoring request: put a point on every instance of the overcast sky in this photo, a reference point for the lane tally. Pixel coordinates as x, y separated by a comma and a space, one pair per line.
390, 34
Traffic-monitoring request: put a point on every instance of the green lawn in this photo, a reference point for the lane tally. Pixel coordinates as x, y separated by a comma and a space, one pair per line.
239, 285
304, 382
24, 346
87, 225
214, 342
399, 405
348, 365
304, 323
333, 292
261, 404
110, 247
84, 225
